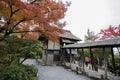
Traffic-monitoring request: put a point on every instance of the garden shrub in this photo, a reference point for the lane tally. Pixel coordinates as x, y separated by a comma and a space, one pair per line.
17, 72
117, 64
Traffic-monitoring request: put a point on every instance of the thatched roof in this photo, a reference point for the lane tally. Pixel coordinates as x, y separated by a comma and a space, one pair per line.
105, 43
68, 35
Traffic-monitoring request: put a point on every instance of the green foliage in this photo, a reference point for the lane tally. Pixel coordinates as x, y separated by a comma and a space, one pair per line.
31, 49
34, 78
17, 72
86, 52
13, 48
117, 63
99, 56
90, 36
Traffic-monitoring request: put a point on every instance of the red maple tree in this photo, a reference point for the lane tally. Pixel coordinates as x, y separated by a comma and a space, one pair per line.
110, 32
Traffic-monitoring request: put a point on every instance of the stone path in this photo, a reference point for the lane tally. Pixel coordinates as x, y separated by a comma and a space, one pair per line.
58, 73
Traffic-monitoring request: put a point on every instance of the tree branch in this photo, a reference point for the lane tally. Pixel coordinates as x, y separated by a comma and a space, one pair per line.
33, 2
15, 11
10, 5
26, 31
9, 31
18, 22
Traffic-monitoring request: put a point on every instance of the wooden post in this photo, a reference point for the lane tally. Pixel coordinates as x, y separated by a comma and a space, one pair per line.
91, 58
93, 61
70, 58
113, 61
105, 63
83, 59
46, 57
118, 50
61, 56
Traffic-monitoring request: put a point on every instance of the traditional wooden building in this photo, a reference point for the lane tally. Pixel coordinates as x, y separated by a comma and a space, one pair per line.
54, 52
109, 43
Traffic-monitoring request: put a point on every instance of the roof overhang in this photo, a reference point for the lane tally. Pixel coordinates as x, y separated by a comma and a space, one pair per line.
104, 43
66, 41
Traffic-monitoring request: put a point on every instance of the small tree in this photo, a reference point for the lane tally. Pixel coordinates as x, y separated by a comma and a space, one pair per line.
90, 36
13, 48
30, 49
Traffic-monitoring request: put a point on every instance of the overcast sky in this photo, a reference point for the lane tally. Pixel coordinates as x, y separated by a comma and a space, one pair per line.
92, 14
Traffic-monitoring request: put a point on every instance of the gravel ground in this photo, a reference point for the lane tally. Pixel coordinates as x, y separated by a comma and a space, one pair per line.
57, 73
54, 72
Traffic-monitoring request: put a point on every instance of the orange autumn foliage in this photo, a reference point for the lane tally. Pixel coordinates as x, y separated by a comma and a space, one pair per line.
32, 18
